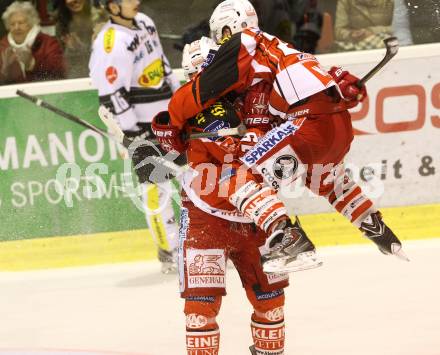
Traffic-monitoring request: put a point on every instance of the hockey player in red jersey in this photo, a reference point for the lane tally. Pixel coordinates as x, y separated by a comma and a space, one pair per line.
317, 131
213, 231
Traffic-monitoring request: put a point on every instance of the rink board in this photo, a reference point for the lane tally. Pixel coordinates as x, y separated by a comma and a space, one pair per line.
42, 153
326, 229
394, 157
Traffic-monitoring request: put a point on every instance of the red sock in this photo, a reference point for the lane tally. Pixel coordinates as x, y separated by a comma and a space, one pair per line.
204, 342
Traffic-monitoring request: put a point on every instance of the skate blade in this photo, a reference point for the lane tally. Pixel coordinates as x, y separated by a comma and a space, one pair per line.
168, 268
397, 250
304, 261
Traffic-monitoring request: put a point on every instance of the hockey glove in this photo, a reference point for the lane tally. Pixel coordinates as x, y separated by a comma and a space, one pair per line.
255, 107
150, 161
170, 137
348, 84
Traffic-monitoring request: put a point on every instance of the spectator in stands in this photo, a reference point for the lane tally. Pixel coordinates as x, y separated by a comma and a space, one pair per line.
44, 11
43, 8
76, 21
401, 27
424, 18
363, 24
308, 25
193, 33
274, 18
297, 9
3, 6
27, 54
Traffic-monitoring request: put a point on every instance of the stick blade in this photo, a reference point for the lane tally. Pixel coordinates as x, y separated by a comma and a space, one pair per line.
104, 112
107, 117
392, 45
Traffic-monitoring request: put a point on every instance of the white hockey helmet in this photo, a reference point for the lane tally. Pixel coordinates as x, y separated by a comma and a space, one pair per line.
197, 55
233, 14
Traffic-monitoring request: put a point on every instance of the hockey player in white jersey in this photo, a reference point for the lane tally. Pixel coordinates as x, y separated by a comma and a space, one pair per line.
135, 82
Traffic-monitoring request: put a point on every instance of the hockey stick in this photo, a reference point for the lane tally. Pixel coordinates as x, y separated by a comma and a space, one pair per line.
62, 113
392, 47
107, 117
121, 138
170, 36
118, 135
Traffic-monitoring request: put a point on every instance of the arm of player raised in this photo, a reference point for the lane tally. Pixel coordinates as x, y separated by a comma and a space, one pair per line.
228, 71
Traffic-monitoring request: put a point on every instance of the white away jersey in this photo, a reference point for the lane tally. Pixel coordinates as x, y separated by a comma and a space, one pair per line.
130, 71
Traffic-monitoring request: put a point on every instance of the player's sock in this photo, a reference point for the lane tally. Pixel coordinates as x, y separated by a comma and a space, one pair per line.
359, 209
268, 338
260, 203
203, 342
202, 331
288, 248
351, 202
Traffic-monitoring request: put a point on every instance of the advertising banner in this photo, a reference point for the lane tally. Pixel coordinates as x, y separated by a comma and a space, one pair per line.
395, 155
35, 145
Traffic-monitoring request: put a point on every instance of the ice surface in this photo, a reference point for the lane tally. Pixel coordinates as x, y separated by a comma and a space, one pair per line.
359, 303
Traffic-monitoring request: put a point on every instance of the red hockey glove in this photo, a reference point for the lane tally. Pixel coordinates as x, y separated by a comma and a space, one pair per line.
255, 108
256, 100
170, 137
348, 85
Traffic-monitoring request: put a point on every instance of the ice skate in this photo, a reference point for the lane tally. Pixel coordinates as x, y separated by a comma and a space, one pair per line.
378, 232
290, 250
168, 261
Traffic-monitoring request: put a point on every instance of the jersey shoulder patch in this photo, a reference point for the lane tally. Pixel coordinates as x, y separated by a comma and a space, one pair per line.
109, 39
112, 40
